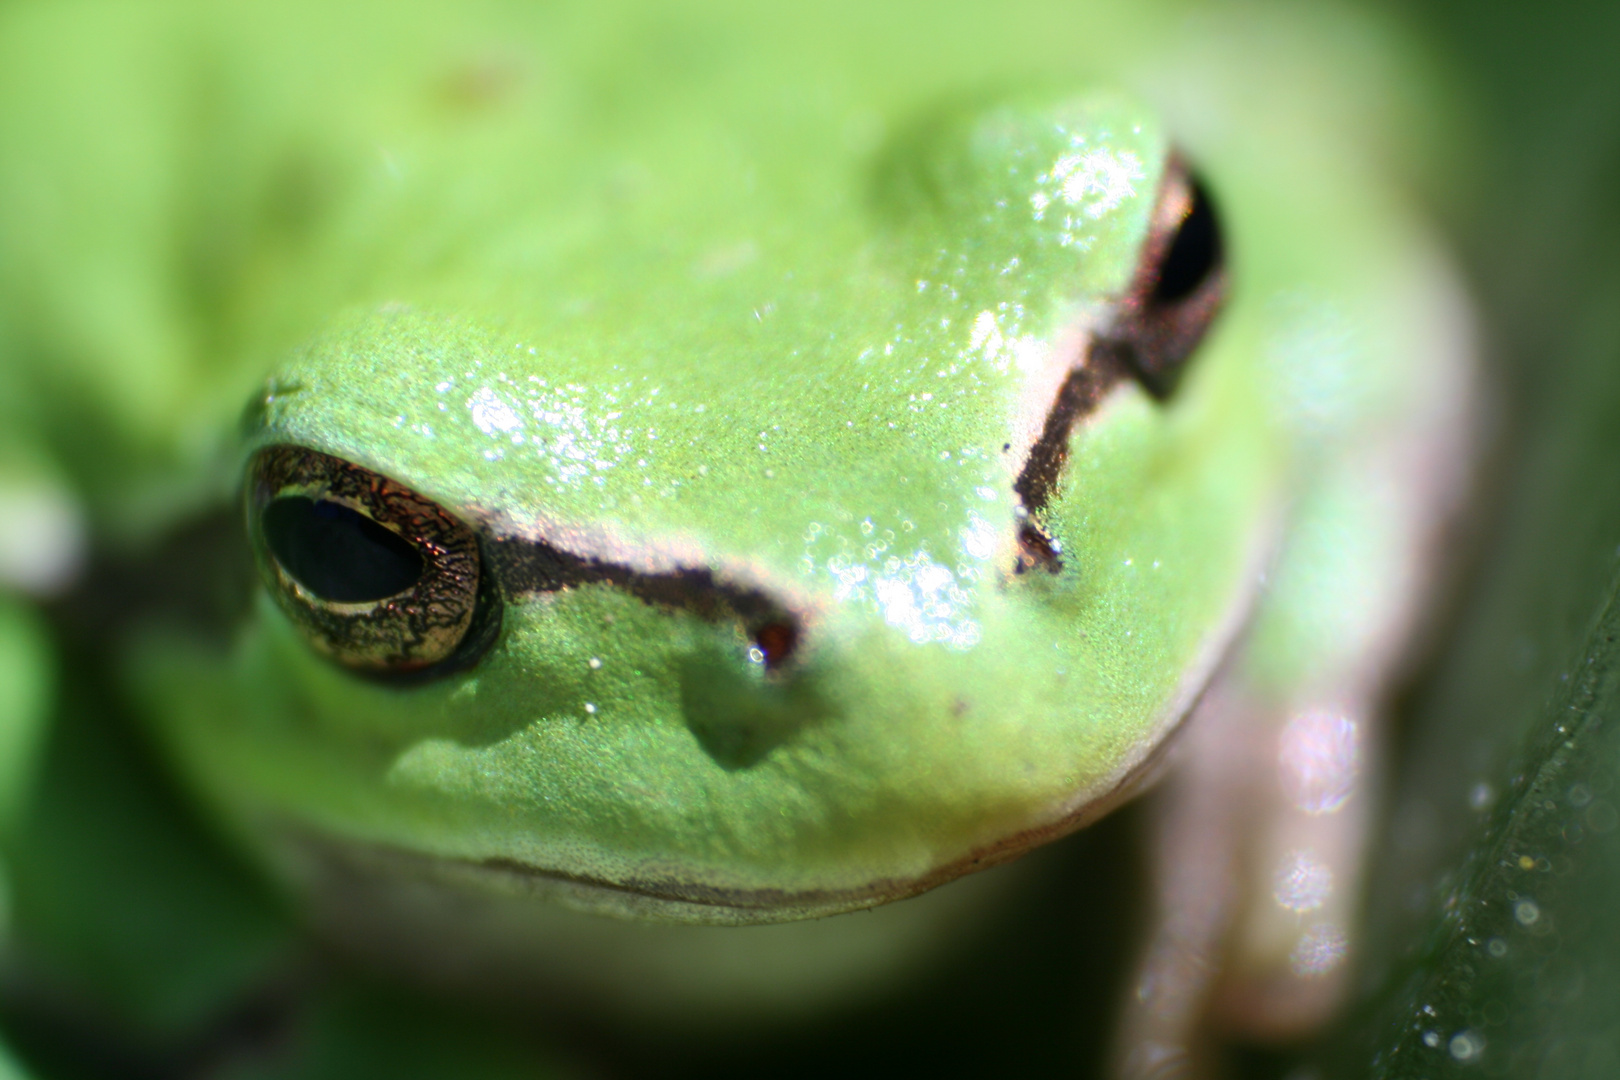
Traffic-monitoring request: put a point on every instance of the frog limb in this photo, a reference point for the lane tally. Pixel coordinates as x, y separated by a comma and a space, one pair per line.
1260, 839
1195, 888
1261, 831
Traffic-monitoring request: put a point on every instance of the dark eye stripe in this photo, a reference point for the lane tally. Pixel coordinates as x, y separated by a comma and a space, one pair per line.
1174, 295
1082, 391
530, 566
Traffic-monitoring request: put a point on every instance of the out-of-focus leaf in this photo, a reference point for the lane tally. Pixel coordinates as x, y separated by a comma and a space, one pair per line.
1495, 946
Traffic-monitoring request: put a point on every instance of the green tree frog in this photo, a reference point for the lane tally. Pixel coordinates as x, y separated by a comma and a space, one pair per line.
708, 472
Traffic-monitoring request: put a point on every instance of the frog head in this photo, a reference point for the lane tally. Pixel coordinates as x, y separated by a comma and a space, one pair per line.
797, 531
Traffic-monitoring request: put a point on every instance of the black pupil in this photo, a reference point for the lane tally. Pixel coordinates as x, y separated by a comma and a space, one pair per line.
338, 554
1194, 252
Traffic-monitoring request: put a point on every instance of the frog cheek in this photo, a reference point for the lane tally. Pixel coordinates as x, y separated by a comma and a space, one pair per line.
739, 713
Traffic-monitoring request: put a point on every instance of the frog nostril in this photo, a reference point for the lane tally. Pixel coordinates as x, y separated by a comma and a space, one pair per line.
1036, 549
775, 642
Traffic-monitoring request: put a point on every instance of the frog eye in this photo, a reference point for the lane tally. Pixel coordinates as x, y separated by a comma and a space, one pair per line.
1178, 286
376, 576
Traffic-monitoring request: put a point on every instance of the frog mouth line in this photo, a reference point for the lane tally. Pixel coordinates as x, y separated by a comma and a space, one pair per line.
343, 871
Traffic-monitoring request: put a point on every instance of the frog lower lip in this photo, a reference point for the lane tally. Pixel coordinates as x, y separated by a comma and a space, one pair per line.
349, 876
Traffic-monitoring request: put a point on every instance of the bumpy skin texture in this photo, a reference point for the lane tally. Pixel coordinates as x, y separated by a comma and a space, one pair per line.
745, 306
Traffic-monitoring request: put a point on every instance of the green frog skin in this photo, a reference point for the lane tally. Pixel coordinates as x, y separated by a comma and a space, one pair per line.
703, 481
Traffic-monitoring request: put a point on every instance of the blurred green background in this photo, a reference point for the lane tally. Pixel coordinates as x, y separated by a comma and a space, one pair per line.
1496, 947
